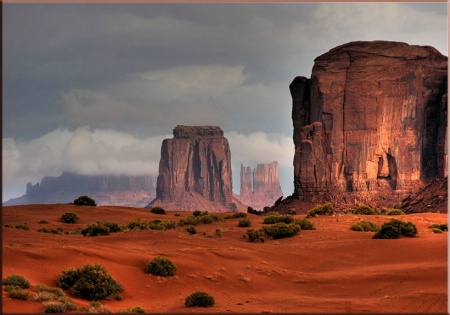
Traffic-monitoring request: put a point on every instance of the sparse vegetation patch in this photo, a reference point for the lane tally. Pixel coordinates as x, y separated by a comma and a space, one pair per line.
276, 218
84, 201
92, 282
199, 298
69, 217
439, 228
365, 226
236, 215
364, 210
246, 222
396, 228
325, 209
158, 210
305, 224
17, 281
395, 212
161, 266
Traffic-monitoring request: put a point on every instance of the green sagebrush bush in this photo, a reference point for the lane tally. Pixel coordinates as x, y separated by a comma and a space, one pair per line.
161, 266
276, 218
191, 229
16, 281
396, 228
158, 210
364, 210
151, 225
282, 230
305, 224
256, 235
246, 222
325, 209
54, 307
199, 298
200, 217
92, 282
395, 212
84, 201
436, 226
69, 217
96, 229
17, 293
365, 226
236, 215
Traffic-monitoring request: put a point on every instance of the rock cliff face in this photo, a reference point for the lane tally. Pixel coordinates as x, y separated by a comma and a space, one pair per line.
195, 171
370, 125
134, 191
261, 187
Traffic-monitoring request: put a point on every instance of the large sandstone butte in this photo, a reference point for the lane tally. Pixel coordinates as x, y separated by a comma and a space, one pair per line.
133, 191
370, 124
260, 187
195, 171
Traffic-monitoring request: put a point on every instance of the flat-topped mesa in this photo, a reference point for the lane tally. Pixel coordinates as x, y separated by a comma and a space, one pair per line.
195, 171
181, 131
371, 124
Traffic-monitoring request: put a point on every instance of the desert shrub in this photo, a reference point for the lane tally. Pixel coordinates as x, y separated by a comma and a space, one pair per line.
200, 217
160, 225
218, 233
96, 229
436, 230
54, 307
16, 280
84, 201
161, 266
442, 227
292, 212
305, 224
95, 307
137, 225
364, 210
22, 227
282, 230
395, 228
199, 298
325, 209
17, 293
275, 218
258, 235
158, 210
244, 222
138, 309
43, 221
236, 215
191, 229
69, 217
395, 212
114, 227
92, 282
365, 226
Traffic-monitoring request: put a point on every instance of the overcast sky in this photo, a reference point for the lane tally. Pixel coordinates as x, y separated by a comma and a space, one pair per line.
95, 88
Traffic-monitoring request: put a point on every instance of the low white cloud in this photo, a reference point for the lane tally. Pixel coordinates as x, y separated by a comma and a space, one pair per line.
83, 151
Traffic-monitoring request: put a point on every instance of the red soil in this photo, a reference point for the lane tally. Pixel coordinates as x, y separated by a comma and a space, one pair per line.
329, 270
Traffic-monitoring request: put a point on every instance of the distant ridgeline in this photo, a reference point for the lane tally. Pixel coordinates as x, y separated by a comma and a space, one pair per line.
136, 191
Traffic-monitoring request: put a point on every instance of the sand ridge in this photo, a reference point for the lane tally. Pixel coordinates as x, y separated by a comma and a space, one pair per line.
329, 270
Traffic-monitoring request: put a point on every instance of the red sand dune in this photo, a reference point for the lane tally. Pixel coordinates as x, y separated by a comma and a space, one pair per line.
329, 270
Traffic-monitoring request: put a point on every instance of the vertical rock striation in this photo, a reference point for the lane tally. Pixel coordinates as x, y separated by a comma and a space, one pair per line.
371, 123
195, 171
261, 187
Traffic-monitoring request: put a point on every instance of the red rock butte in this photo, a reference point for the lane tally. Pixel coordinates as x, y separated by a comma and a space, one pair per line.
370, 124
260, 187
195, 171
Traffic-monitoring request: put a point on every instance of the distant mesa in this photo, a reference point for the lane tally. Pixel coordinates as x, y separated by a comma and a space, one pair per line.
260, 187
132, 191
370, 125
195, 171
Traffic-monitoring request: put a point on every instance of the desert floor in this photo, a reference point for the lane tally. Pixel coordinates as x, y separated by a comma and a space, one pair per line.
328, 270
